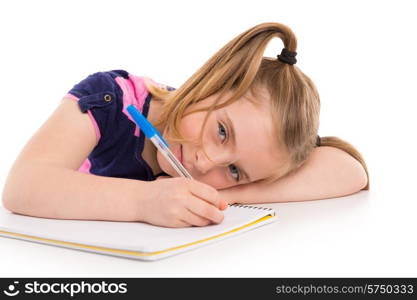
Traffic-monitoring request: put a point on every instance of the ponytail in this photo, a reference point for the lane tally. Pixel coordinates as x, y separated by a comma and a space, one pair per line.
240, 67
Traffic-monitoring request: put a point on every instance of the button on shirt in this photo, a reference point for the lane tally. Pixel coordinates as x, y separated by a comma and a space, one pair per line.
104, 96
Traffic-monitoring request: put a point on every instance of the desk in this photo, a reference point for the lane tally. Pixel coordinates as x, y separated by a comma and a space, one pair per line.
370, 233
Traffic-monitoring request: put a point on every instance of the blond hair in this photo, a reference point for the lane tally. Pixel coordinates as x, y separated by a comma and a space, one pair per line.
240, 67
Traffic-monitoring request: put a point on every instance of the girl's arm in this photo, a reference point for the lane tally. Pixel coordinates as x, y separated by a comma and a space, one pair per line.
59, 193
328, 173
44, 181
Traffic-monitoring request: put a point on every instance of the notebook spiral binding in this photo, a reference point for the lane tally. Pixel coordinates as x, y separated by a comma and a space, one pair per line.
252, 207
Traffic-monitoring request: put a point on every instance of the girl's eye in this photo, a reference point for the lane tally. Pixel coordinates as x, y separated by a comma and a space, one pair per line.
234, 170
222, 130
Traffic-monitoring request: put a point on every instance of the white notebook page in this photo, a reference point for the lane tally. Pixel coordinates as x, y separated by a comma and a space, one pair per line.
133, 236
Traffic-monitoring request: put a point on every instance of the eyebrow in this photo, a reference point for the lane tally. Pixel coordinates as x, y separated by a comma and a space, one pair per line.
233, 136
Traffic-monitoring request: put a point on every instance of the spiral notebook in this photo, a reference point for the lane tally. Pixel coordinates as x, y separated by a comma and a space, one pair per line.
132, 239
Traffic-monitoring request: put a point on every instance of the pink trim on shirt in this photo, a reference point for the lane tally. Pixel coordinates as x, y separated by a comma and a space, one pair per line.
134, 92
96, 128
86, 165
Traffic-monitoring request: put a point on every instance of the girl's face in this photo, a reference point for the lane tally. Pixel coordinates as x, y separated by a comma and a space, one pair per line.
240, 135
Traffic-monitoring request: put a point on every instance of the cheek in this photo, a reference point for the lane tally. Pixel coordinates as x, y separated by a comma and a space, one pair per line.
190, 127
164, 164
216, 180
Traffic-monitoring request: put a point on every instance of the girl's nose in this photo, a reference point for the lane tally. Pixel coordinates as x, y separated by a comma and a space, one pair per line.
204, 165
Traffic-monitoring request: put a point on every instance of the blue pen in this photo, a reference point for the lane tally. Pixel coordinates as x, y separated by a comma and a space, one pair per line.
152, 134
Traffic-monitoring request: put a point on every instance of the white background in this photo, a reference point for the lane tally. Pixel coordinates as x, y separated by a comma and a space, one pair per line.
360, 54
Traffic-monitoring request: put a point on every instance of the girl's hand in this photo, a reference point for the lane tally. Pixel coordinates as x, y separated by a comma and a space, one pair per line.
181, 202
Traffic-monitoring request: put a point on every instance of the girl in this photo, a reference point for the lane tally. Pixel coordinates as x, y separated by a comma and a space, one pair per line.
245, 127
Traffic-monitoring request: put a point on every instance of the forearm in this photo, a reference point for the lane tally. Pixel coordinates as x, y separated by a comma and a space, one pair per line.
67, 194
327, 173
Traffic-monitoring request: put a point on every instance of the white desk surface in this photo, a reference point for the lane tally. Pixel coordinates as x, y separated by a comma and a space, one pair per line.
365, 234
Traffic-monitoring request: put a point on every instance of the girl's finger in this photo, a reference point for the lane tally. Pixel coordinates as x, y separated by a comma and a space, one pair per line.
205, 210
206, 193
181, 223
195, 220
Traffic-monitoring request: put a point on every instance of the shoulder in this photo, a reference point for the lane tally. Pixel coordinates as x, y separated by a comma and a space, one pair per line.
95, 83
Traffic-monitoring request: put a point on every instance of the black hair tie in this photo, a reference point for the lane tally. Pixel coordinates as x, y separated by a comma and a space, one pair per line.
287, 57
318, 141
